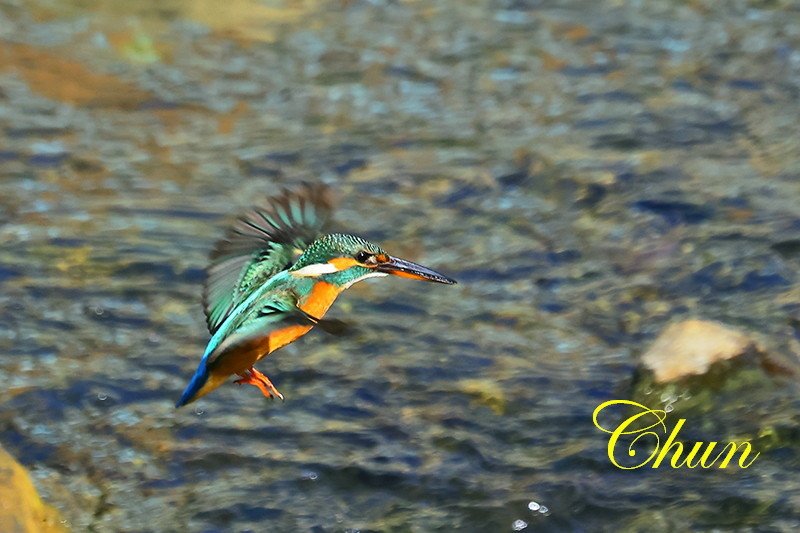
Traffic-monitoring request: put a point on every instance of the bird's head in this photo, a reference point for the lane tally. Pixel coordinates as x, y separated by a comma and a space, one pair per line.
346, 259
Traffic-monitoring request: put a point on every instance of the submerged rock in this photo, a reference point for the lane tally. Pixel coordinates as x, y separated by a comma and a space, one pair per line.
711, 375
21, 508
485, 392
691, 347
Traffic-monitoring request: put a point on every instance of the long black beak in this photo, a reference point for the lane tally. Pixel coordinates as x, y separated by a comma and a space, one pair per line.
407, 269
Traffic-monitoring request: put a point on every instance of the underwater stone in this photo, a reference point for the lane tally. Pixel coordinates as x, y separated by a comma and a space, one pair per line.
710, 374
691, 347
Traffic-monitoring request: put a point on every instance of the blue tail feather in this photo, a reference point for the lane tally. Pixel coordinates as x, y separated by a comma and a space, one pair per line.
198, 380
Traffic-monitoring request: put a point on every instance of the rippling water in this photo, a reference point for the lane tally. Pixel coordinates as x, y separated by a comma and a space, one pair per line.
588, 171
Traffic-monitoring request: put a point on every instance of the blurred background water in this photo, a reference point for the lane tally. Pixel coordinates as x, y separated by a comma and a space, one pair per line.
589, 171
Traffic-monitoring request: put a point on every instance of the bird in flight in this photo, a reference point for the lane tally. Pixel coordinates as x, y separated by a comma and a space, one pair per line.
273, 277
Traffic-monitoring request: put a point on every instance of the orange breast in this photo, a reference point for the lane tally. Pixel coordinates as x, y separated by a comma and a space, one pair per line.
315, 304
282, 337
320, 299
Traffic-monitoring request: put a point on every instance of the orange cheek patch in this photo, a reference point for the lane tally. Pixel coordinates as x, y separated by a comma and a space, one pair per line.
343, 263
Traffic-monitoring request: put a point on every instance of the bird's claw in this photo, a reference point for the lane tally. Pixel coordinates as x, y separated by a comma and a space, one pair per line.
253, 377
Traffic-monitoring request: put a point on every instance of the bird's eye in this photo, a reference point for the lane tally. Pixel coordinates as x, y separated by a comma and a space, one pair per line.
363, 256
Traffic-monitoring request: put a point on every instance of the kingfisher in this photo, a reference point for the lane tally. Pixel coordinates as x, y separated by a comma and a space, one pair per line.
272, 278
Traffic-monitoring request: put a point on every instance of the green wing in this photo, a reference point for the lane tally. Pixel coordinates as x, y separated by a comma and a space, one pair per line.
264, 241
278, 310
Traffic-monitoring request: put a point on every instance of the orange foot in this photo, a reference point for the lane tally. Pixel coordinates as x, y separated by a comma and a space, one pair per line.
251, 376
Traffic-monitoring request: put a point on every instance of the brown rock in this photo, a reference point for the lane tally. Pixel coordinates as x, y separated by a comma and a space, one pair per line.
21, 508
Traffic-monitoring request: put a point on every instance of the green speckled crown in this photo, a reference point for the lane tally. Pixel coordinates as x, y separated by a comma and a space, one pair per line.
334, 245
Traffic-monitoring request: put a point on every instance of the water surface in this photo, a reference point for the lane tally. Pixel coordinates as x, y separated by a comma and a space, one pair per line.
588, 170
